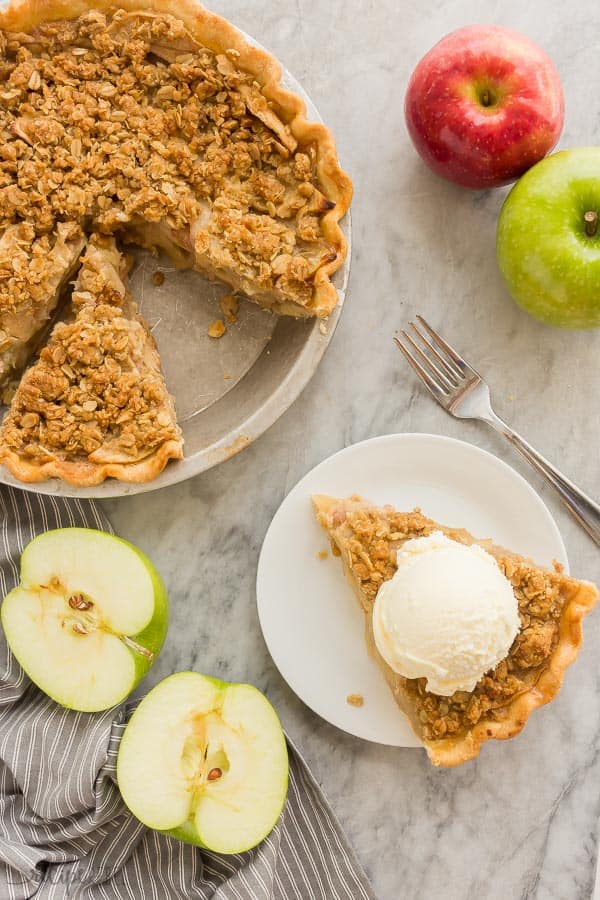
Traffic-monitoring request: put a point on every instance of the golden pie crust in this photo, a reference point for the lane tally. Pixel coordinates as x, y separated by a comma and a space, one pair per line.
155, 122
551, 609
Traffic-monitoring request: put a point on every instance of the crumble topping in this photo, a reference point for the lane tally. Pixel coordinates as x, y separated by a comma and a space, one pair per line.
216, 329
33, 270
126, 122
371, 538
28, 262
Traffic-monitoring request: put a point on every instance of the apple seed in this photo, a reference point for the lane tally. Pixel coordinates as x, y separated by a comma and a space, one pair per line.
78, 628
591, 222
214, 774
78, 601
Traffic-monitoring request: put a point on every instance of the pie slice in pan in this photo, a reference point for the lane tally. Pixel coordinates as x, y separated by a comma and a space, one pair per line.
95, 403
551, 608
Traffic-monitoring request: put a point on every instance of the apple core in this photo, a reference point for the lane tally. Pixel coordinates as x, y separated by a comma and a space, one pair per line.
87, 620
202, 759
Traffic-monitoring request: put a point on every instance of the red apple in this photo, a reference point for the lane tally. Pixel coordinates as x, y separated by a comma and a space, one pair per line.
484, 105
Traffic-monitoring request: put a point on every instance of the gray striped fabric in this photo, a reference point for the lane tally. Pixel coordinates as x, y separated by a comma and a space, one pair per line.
64, 831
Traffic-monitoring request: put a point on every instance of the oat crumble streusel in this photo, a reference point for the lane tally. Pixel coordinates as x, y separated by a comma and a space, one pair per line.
126, 122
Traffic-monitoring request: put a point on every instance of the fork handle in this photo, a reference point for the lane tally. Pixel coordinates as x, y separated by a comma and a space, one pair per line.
582, 507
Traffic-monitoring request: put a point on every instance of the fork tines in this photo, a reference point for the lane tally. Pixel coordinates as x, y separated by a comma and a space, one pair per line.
436, 363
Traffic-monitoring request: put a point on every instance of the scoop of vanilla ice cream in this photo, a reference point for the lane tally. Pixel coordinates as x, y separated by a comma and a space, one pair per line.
448, 615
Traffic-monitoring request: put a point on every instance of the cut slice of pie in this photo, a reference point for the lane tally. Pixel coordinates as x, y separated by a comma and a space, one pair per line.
95, 403
551, 607
33, 271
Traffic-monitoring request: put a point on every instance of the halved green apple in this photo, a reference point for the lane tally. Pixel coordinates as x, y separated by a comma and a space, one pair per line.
206, 762
88, 618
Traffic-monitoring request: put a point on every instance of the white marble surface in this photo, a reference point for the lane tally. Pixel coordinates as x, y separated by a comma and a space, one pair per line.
521, 821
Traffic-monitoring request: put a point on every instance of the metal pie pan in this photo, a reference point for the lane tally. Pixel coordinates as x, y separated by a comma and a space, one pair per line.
228, 391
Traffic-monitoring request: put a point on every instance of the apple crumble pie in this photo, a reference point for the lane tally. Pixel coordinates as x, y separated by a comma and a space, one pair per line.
551, 606
156, 123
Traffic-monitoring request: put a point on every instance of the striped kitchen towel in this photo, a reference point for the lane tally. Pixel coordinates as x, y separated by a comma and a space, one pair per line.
64, 830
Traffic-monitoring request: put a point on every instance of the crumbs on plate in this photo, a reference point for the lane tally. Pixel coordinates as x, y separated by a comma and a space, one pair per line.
322, 554
355, 700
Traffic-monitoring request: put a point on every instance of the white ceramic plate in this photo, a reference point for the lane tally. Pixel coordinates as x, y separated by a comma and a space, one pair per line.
310, 620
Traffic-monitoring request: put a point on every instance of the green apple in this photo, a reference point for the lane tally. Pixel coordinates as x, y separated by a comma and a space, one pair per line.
205, 762
548, 239
87, 619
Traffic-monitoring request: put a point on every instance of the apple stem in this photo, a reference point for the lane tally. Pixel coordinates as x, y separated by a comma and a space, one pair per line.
143, 651
485, 98
591, 222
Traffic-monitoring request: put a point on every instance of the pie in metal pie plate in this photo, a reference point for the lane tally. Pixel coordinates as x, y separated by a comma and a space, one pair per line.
229, 390
311, 621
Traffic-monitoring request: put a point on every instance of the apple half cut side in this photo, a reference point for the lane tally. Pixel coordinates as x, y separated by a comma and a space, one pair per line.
205, 762
88, 618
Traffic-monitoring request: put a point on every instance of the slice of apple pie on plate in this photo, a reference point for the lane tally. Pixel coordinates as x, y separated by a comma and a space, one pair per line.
470, 637
95, 403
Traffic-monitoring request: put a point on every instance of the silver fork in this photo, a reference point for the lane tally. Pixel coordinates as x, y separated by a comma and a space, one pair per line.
462, 392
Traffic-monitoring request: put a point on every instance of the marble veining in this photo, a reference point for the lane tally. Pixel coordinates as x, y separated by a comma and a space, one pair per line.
521, 821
